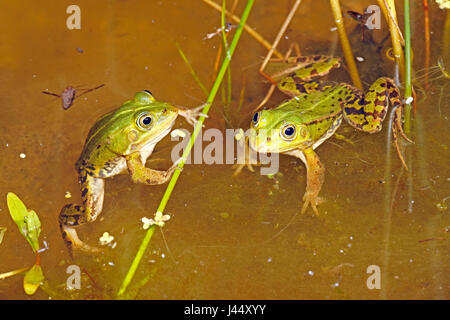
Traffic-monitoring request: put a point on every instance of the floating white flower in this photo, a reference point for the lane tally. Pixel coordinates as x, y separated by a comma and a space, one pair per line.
106, 238
159, 220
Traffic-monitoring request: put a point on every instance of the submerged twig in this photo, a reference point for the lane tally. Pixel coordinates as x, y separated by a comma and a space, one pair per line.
247, 28
272, 50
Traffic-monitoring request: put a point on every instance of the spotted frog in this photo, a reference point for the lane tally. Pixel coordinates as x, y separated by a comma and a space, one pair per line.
298, 126
119, 142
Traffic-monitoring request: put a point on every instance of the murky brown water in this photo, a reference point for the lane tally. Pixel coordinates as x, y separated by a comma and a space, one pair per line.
229, 237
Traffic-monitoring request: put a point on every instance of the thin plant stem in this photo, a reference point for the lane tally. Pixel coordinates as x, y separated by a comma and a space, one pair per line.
194, 75
280, 34
247, 28
13, 273
272, 49
408, 85
225, 45
388, 6
345, 44
198, 126
408, 93
426, 23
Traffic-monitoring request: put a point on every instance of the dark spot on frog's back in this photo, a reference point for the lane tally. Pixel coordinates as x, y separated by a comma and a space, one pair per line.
300, 87
317, 58
390, 85
379, 102
301, 59
351, 110
394, 94
314, 72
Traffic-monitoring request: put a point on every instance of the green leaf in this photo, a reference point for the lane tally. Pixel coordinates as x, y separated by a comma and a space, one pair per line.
2, 233
27, 220
33, 279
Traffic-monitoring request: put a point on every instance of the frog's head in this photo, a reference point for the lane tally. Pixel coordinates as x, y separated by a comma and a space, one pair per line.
278, 131
141, 122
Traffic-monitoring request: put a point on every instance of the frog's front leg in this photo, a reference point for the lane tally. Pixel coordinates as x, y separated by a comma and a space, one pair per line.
141, 174
73, 216
315, 176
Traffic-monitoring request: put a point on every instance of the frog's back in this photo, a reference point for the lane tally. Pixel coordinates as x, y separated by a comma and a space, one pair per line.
318, 110
95, 153
315, 104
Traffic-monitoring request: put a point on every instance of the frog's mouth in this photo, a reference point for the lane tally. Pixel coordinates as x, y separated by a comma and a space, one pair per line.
164, 132
261, 142
264, 143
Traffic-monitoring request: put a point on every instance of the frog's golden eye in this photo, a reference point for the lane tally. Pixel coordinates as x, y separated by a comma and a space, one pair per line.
288, 132
255, 119
145, 121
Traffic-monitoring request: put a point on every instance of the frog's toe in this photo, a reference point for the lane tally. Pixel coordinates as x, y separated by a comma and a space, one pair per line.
312, 199
191, 115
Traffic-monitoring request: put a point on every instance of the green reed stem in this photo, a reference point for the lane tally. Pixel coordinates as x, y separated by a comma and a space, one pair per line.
408, 94
408, 85
198, 126
194, 75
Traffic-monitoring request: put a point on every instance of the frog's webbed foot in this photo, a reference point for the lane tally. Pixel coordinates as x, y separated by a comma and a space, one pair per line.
70, 217
311, 198
191, 115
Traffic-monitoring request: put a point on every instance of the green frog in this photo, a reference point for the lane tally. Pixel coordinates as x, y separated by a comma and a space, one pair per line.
119, 142
298, 126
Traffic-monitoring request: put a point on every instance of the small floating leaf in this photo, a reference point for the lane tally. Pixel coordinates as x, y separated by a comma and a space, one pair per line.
33, 279
27, 220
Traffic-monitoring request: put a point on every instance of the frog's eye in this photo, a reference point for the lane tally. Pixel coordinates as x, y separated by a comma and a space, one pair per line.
145, 121
144, 97
255, 119
288, 132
